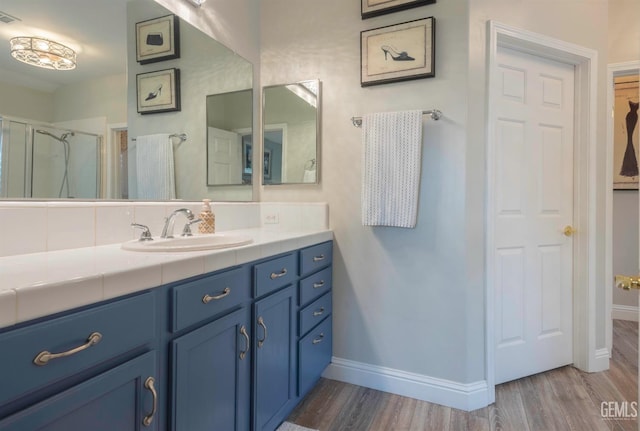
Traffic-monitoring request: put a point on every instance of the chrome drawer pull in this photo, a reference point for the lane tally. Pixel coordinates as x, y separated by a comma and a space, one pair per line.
319, 339
243, 331
149, 385
319, 312
208, 298
280, 274
261, 323
318, 285
44, 357
318, 258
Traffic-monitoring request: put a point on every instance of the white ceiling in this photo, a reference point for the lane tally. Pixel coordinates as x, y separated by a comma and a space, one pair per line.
96, 29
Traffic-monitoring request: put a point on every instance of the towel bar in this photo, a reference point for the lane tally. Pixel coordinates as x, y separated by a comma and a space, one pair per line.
435, 114
181, 136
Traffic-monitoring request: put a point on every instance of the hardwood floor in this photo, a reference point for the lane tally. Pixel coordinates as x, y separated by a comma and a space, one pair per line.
563, 399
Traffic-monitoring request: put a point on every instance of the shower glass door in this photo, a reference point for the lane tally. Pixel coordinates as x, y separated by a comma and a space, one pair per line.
45, 162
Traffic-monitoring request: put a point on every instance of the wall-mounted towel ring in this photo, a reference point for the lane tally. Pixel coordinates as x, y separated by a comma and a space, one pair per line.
435, 114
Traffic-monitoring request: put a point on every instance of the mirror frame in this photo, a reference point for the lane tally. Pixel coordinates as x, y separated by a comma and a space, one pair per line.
318, 137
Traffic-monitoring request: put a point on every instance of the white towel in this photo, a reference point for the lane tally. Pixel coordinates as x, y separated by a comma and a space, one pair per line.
392, 147
155, 173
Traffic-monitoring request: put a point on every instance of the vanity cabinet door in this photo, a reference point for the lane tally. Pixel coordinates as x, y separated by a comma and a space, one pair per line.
211, 367
120, 399
274, 389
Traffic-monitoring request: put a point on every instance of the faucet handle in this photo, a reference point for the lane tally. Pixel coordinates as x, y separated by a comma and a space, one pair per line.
146, 233
186, 231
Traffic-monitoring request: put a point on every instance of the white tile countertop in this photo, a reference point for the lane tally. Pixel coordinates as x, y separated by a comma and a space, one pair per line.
38, 284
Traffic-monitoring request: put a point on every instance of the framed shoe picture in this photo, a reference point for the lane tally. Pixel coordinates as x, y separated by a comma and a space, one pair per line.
371, 8
157, 39
158, 91
398, 52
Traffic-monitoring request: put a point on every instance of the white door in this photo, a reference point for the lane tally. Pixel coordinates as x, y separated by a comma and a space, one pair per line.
224, 154
532, 184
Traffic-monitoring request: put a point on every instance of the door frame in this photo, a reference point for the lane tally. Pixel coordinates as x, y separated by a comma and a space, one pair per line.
613, 70
585, 61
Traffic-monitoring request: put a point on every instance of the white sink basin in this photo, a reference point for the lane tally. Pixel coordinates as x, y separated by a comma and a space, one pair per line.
189, 243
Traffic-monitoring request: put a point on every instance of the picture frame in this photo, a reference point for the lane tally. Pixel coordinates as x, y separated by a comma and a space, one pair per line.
626, 142
267, 164
158, 91
398, 52
371, 8
158, 39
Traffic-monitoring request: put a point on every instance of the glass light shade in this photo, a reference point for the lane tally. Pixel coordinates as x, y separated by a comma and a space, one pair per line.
44, 53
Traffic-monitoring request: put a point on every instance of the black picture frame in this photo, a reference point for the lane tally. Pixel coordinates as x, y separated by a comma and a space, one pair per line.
371, 8
398, 52
158, 39
158, 91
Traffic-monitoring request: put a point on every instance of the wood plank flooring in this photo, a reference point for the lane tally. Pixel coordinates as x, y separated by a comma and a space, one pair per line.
564, 399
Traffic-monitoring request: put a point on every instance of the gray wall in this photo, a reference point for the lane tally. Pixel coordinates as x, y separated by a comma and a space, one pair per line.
413, 300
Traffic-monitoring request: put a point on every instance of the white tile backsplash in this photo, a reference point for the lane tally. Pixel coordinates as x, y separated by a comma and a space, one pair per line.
70, 227
32, 227
23, 229
113, 224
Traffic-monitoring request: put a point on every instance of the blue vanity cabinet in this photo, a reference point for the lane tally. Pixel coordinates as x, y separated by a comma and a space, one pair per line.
123, 398
314, 346
93, 368
212, 375
210, 352
274, 391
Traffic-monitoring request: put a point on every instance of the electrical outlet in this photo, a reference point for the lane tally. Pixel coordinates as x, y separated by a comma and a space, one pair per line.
271, 218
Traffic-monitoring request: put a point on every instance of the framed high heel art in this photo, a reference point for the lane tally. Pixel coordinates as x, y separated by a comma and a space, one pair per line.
398, 52
158, 91
371, 8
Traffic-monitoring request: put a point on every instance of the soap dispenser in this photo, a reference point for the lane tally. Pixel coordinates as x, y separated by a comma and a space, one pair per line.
208, 223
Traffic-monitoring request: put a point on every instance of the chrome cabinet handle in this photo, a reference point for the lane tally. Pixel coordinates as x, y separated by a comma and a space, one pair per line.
44, 357
149, 384
280, 274
319, 312
208, 298
318, 258
318, 285
264, 327
319, 339
243, 331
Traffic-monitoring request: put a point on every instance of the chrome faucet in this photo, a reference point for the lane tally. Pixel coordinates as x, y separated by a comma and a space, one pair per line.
167, 231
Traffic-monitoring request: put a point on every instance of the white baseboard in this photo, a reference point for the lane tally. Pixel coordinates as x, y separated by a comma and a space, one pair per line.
624, 312
601, 362
463, 396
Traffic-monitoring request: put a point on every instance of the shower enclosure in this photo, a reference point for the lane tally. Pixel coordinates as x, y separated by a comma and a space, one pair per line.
47, 162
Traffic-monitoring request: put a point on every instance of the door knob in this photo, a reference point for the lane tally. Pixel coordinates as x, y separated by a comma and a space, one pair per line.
568, 230
626, 282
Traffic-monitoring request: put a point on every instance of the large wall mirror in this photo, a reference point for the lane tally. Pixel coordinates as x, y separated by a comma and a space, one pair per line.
291, 133
74, 133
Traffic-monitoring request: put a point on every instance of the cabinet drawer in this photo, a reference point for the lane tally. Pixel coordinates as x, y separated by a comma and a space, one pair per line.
275, 274
123, 326
315, 257
314, 352
315, 285
114, 400
314, 313
207, 297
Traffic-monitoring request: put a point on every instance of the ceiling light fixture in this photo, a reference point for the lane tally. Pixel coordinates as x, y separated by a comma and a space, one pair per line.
197, 3
45, 53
